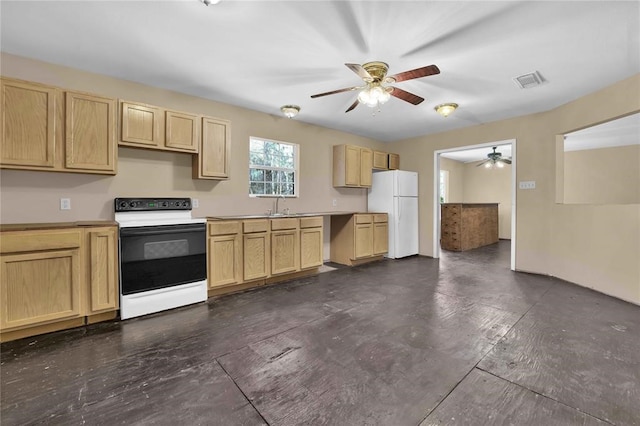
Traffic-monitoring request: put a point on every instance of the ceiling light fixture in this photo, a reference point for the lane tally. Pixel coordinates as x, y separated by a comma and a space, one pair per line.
374, 94
290, 110
446, 109
210, 2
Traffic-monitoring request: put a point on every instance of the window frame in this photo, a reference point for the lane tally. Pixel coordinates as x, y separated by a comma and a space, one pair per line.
295, 169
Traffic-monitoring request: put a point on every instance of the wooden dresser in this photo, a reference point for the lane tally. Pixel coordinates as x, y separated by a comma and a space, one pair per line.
467, 226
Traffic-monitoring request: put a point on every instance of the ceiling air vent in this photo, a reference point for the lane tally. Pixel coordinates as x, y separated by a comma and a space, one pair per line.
526, 81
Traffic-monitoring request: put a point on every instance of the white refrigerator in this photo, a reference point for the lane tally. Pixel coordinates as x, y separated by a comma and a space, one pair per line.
396, 192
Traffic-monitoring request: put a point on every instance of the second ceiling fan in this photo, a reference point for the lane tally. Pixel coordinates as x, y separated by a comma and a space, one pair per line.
374, 92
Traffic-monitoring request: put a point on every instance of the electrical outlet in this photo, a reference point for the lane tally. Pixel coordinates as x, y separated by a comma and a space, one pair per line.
65, 203
529, 184
335, 203
195, 203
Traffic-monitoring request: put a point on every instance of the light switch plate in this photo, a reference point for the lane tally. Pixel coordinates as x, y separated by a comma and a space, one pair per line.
529, 184
335, 202
65, 203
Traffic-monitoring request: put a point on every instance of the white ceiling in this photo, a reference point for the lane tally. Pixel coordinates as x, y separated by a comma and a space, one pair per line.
264, 54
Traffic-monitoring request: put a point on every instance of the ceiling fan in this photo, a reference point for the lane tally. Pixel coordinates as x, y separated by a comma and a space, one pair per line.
495, 160
374, 92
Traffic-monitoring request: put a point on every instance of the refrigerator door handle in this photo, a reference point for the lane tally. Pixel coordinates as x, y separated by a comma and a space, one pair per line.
399, 209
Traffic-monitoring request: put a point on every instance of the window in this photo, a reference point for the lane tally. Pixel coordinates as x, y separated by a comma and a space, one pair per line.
444, 186
273, 168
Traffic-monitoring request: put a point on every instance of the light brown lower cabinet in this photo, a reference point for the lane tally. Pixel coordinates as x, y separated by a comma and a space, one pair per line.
224, 253
102, 269
285, 246
380, 234
311, 242
51, 279
252, 252
257, 249
359, 238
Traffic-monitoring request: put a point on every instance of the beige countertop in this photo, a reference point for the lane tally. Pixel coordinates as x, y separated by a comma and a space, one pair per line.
273, 216
56, 225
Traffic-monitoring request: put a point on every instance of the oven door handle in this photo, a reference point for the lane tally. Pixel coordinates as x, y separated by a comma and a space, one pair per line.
161, 229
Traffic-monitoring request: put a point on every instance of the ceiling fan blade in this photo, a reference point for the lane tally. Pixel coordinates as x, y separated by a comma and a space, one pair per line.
406, 96
417, 73
362, 73
333, 92
505, 160
482, 163
353, 105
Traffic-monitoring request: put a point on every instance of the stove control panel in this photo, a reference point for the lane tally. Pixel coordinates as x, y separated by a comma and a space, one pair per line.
151, 204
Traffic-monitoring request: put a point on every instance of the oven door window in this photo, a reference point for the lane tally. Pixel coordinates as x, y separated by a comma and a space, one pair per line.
154, 257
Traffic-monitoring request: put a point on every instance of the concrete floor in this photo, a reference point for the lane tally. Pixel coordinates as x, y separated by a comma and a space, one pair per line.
417, 341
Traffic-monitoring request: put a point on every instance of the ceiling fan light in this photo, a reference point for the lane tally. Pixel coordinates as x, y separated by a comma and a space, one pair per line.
446, 109
364, 96
290, 111
487, 165
500, 164
384, 96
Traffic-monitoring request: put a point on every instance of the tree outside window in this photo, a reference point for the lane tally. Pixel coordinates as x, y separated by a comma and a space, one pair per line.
273, 168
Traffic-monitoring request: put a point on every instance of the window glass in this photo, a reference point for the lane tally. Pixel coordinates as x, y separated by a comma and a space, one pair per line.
272, 168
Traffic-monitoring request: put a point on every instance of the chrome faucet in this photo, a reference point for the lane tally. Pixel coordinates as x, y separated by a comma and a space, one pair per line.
276, 210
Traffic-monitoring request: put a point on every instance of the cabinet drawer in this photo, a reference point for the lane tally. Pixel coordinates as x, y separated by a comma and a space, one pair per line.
255, 225
310, 222
380, 217
288, 223
14, 242
363, 218
224, 228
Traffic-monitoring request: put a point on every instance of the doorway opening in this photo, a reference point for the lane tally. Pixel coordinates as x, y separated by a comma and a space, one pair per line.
470, 156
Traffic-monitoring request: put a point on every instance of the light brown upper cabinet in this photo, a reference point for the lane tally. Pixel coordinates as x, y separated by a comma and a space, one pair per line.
44, 128
182, 131
366, 167
148, 126
212, 161
380, 160
141, 125
90, 132
394, 161
28, 125
352, 166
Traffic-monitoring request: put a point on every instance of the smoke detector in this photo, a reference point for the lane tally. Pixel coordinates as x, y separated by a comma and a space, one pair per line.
527, 81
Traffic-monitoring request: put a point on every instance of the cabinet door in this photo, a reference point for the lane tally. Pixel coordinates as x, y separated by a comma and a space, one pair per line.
380, 238
102, 270
352, 165
142, 125
311, 245
363, 240
182, 131
285, 253
225, 260
90, 133
256, 250
380, 160
366, 165
394, 161
213, 160
27, 118
39, 287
